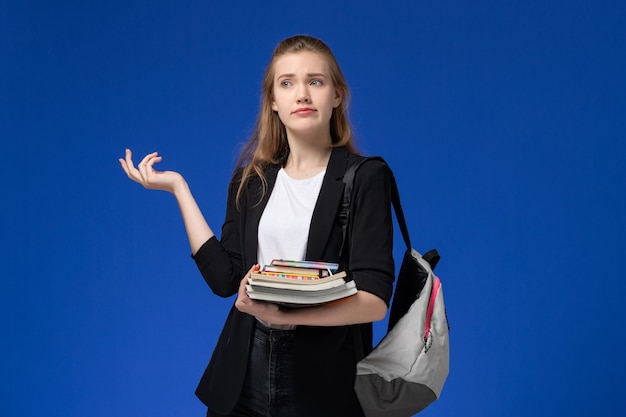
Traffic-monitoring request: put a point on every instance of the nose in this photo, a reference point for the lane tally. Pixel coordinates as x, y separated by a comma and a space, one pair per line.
303, 95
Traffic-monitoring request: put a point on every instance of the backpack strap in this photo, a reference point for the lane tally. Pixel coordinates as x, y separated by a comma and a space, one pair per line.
432, 256
344, 214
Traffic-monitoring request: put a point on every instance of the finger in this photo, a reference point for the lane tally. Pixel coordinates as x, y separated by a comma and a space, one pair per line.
129, 167
151, 162
129, 158
245, 280
146, 158
242, 286
124, 166
254, 268
243, 300
143, 167
149, 171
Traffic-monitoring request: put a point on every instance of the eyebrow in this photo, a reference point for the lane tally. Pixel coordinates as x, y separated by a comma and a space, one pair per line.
310, 75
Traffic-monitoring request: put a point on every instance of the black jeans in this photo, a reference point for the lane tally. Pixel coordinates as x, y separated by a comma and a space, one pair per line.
268, 388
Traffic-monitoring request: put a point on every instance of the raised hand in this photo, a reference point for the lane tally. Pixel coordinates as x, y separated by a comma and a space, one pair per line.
146, 175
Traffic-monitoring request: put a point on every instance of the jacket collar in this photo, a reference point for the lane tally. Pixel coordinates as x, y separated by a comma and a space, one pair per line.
327, 205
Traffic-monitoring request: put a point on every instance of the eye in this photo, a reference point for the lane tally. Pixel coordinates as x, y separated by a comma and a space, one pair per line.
285, 83
316, 82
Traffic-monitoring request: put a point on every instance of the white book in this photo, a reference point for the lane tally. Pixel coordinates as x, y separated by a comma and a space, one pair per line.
303, 299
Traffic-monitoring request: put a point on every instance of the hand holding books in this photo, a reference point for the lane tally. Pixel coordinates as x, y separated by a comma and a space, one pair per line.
299, 283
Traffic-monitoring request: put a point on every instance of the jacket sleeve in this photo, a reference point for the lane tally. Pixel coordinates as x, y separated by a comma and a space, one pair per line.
371, 260
220, 261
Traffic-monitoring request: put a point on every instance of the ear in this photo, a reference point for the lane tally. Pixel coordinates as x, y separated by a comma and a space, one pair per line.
274, 106
338, 98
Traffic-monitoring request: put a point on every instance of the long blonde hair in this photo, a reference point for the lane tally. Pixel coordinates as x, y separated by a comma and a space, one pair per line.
268, 143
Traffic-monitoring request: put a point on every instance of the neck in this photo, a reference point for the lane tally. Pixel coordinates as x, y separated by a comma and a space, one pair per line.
306, 160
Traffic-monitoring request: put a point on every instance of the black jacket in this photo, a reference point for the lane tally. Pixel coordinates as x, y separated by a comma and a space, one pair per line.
324, 357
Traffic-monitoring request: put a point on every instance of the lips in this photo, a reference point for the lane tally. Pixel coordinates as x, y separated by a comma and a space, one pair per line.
304, 111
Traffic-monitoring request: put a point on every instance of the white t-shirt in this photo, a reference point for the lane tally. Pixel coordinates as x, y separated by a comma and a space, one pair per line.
284, 225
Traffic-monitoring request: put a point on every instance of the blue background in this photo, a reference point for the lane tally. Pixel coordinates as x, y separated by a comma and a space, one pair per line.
504, 122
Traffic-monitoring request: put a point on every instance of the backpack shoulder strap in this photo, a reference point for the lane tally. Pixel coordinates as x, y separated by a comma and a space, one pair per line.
344, 214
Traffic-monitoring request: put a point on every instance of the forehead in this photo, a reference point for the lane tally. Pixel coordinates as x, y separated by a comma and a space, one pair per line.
301, 63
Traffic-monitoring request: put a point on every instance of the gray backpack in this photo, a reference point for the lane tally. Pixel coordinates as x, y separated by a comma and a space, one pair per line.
406, 371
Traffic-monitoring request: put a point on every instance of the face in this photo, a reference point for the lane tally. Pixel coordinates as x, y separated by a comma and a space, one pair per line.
304, 95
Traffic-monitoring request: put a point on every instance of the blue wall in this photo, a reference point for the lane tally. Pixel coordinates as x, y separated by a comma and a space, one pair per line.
503, 121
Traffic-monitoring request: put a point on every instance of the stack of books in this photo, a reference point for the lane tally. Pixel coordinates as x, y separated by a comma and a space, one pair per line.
299, 283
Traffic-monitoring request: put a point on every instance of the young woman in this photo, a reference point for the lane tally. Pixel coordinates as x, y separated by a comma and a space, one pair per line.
283, 202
